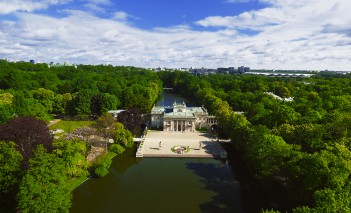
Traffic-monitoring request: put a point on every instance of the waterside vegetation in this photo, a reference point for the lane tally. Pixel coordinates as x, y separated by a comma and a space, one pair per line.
38, 171
298, 150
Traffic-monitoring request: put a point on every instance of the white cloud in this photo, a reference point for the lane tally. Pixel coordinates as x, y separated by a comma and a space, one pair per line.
10, 6
98, 6
316, 35
122, 16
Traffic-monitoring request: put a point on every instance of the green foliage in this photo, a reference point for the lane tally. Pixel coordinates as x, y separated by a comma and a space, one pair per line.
45, 97
36, 90
10, 169
303, 146
73, 153
101, 165
44, 188
6, 113
6, 98
328, 200
116, 148
105, 121
122, 136
83, 103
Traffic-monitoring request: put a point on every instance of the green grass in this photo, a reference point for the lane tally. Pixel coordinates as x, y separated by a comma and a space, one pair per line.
111, 155
70, 126
75, 182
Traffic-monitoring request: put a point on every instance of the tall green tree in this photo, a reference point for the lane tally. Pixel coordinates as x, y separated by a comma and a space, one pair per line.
10, 169
27, 133
122, 135
44, 187
73, 153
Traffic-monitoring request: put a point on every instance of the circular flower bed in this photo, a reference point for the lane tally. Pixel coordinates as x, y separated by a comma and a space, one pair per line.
180, 149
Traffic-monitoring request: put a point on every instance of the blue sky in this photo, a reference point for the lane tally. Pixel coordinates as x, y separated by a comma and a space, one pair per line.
262, 34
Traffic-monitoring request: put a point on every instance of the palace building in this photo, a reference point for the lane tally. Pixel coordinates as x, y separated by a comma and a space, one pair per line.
179, 117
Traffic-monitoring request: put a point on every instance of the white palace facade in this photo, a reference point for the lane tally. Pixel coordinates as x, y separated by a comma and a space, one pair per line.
179, 117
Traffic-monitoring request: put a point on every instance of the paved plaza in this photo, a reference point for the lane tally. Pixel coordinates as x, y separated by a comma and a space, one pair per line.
210, 148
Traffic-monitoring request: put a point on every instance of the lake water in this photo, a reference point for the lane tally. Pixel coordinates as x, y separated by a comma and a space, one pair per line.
170, 185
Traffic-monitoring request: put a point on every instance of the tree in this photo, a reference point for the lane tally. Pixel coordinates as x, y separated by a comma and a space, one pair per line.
27, 133
6, 113
105, 121
44, 187
268, 153
131, 119
122, 136
101, 103
27, 106
116, 148
328, 200
45, 97
10, 169
72, 152
101, 165
83, 103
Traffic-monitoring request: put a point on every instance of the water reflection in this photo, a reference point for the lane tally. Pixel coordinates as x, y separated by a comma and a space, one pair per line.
168, 98
219, 179
161, 185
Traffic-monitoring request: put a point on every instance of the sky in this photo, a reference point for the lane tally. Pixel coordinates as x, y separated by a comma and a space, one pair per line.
261, 34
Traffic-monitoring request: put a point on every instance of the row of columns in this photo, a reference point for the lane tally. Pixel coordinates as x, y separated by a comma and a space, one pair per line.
182, 125
211, 121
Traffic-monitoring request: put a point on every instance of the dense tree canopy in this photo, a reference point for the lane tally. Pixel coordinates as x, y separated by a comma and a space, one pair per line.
35, 167
44, 187
131, 119
27, 133
10, 169
84, 91
301, 146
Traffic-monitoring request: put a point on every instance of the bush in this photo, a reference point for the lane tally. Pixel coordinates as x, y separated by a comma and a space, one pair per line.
116, 148
102, 165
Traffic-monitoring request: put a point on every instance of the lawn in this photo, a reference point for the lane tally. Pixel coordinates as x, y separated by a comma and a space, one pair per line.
70, 126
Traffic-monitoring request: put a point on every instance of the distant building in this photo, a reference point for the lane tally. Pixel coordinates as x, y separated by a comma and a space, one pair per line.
232, 70
223, 70
243, 69
32, 61
179, 117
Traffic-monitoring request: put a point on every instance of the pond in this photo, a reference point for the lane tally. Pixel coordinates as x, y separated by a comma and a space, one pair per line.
171, 184
168, 98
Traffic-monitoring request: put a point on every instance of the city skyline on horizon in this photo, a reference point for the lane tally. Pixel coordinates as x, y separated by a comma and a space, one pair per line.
261, 34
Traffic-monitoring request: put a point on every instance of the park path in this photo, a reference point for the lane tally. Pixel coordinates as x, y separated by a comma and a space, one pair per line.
53, 122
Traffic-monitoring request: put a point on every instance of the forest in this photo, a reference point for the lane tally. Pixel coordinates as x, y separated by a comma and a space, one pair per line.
298, 149
39, 171
83, 92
